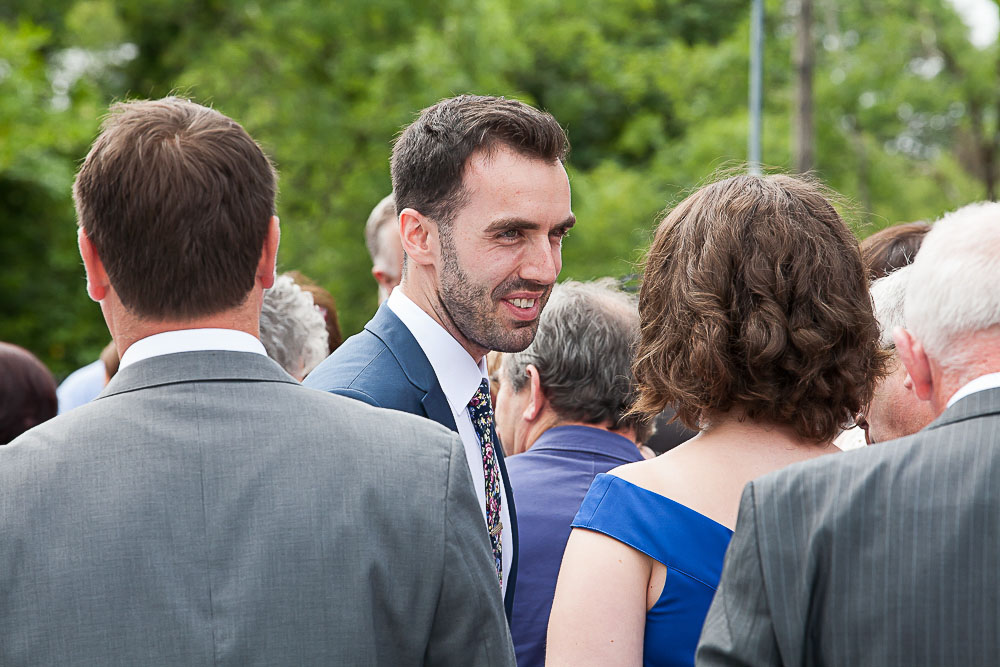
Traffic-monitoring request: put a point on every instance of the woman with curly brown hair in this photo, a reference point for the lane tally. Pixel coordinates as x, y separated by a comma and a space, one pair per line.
757, 327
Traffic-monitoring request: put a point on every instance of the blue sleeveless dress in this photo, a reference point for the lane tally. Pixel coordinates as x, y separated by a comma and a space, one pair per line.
689, 544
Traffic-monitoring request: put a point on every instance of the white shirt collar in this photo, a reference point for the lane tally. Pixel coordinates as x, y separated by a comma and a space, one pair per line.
191, 340
981, 383
457, 372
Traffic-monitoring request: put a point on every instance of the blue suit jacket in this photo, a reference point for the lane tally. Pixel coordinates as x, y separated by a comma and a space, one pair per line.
385, 367
552, 478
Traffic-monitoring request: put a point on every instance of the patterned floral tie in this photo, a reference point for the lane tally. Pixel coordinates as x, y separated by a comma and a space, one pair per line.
481, 411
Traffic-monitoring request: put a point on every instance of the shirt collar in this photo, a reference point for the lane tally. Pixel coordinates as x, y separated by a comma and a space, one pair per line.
981, 383
191, 340
457, 372
588, 439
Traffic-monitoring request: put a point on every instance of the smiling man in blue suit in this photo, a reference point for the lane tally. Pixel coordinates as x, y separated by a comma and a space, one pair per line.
483, 203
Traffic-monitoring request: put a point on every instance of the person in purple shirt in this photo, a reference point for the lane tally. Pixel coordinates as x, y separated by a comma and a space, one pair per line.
559, 415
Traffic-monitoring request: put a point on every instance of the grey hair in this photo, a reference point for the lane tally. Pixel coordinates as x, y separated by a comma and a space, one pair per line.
292, 330
952, 287
583, 351
383, 214
888, 295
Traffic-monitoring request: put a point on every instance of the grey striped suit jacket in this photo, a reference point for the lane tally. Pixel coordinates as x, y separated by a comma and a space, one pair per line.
886, 556
207, 509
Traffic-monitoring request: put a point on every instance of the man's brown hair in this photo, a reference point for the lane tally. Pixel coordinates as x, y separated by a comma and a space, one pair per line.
177, 198
429, 157
755, 299
892, 248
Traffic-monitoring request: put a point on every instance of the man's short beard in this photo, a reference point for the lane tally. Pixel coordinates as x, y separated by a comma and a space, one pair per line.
472, 308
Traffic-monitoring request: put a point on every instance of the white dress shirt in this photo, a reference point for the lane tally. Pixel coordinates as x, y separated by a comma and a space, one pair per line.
981, 383
459, 376
191, 340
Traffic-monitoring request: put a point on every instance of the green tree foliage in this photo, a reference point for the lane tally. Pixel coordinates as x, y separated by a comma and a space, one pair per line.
652, 92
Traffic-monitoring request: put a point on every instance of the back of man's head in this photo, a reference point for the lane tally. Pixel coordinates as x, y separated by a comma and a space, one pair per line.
951, 291
429, 158
177, 200
583, 352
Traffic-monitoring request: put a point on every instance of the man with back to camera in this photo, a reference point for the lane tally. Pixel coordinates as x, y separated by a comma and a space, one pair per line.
894, 411
484, 202
382, 240
887, 555
561, 409
206, 508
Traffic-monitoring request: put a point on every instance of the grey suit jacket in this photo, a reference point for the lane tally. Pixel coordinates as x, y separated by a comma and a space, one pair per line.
885, 556
208, 510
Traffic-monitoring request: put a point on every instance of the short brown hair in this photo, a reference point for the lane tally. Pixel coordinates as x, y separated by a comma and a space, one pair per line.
755, 299
176, 197
892, 248
27, 392
429, 157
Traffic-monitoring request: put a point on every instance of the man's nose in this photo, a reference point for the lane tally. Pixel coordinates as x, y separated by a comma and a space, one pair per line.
543, 263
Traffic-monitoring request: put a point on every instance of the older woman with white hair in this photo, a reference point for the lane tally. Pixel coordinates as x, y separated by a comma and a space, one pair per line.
292, 329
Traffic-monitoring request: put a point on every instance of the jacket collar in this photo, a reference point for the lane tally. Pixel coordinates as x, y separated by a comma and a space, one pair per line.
979, 404
586, 439
195, 367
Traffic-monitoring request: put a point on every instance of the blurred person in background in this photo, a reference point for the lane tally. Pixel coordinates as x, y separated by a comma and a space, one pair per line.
883, 253
562, 411
494, 360
292, 329
666, 433
81, 386
892, 248
109, 357
327, 307
27, 392
384, 246
757, 327
895, 410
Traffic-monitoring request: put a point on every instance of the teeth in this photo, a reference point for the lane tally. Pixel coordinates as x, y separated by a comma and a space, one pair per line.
523, 303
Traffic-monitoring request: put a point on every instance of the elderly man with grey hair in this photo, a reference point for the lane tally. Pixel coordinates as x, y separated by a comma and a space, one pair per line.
561, 408
888, 555
384, 246
894, 411
292, 329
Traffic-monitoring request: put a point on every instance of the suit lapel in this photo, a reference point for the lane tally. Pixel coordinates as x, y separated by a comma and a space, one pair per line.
391, 331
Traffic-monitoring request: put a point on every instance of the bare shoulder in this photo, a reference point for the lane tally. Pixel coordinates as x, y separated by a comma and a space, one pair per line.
657, 475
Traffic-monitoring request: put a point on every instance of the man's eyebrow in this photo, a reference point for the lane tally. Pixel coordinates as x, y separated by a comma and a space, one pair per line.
568, 222
506, 224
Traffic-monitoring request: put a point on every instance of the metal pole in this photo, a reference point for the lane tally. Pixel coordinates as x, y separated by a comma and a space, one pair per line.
756, 84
